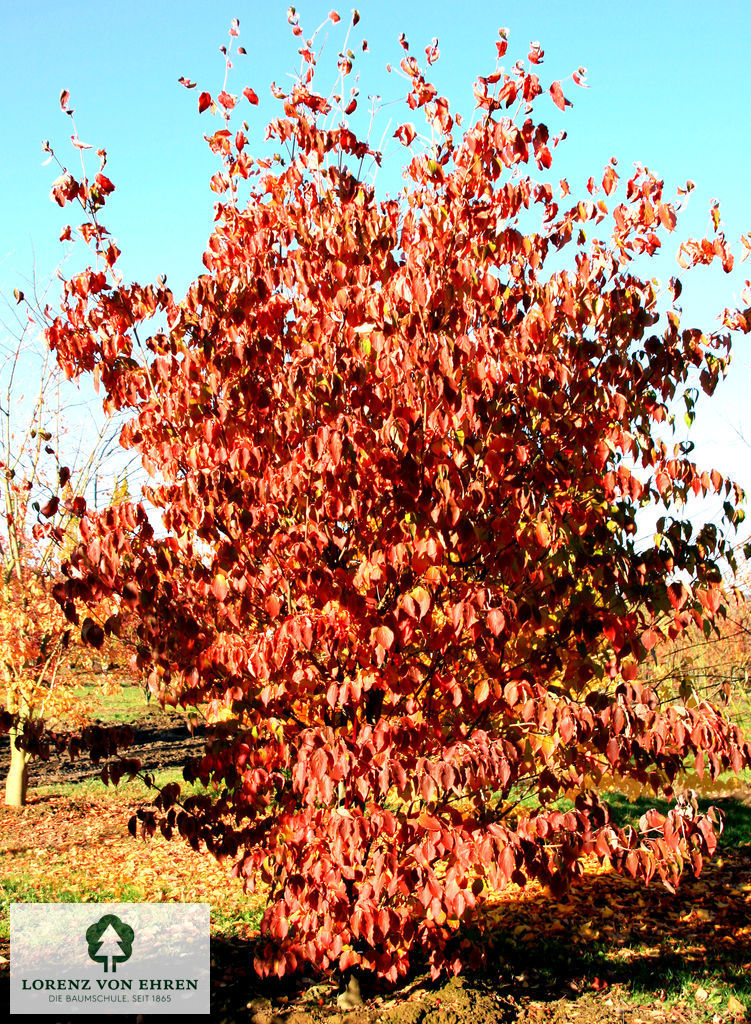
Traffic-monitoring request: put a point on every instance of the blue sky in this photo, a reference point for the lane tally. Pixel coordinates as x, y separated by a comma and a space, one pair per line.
669, 87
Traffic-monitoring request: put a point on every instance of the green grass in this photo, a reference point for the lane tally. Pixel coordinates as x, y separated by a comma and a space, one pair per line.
644, 973
20, 889
237, 922
127, 790
125, 705
737, 815
681, 982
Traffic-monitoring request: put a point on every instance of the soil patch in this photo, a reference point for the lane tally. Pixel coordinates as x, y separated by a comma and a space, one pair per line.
160, 741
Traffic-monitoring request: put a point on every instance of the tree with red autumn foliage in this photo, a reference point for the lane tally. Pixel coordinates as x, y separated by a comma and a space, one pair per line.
398, 447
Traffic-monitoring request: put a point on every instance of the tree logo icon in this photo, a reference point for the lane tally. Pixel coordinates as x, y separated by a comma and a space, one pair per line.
110, 939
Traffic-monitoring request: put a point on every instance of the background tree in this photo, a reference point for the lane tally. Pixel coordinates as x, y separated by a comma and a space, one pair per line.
399, 447
710, 664
43, 664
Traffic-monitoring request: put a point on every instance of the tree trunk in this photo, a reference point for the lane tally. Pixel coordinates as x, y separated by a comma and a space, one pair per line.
18, 775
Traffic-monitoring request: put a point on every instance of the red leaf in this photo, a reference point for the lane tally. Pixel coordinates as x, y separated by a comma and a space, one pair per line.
64, 100
613, 750
482, 691
383, 636
349, 958
427, 788
405, 133
50, 509
204, 102
496, 621
78, 144
334, 17
507, 861
421, 598
579, 76
710, 598
610, 179
226, 99
558, 98
649, 638
91, 633
250, 96
219, 587
104, 184
511, 694
335, 447
542, 534
187, 83
667, 216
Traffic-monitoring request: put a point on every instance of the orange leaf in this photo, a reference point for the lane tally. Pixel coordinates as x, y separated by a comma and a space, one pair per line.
383, 636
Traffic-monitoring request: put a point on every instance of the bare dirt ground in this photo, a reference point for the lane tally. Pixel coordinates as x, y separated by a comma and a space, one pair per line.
160, 741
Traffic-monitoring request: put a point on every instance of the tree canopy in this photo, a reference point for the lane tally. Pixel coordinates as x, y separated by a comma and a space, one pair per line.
398, 450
